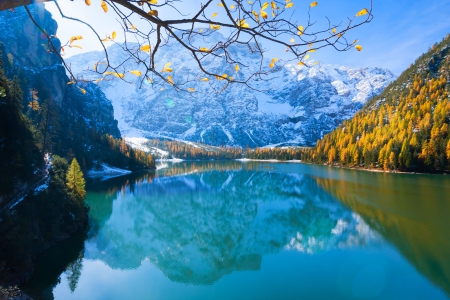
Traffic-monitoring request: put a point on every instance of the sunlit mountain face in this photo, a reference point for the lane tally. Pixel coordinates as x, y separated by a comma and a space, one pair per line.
295, 106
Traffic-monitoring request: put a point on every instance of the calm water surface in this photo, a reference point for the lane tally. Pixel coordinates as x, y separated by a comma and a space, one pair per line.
232, 230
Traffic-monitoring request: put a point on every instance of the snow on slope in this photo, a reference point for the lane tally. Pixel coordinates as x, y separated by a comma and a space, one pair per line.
297, 105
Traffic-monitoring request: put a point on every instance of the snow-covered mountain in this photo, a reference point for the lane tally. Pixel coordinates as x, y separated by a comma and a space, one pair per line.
296, 105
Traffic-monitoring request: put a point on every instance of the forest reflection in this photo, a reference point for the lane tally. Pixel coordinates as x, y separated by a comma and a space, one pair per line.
409, 212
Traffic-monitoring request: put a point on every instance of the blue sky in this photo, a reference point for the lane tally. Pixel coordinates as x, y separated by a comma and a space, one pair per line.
399, 33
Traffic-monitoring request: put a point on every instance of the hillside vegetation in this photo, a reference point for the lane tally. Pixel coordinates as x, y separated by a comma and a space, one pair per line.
404, 128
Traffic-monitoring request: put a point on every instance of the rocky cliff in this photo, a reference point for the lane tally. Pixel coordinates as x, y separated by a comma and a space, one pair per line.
27, 49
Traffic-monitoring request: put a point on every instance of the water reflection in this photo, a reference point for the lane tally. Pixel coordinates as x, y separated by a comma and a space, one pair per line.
411, 212
203, 225
51, 264
179, 230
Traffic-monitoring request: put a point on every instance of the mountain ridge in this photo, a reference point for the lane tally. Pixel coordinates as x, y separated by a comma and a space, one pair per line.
298, 107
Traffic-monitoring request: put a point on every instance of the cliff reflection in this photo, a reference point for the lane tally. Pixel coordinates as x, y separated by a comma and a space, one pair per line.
206, 223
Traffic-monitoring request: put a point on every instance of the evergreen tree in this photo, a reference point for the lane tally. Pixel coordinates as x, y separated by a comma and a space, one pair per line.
75, 181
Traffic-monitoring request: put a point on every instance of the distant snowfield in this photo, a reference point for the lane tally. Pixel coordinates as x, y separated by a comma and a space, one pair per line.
107, 172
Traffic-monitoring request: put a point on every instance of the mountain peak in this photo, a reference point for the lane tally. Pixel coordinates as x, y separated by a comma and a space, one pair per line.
294, 106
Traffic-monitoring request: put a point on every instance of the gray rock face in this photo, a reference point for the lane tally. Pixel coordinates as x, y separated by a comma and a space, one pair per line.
296, 105
27, 52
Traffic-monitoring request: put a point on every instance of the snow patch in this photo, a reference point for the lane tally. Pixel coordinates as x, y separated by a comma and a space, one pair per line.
107, 172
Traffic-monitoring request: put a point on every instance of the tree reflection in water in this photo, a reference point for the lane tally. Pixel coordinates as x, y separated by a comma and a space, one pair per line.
199, 221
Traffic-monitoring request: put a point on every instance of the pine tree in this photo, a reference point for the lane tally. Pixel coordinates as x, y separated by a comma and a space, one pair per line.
75, 181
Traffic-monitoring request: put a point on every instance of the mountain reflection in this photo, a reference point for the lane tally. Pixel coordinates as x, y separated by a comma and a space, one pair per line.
206, 223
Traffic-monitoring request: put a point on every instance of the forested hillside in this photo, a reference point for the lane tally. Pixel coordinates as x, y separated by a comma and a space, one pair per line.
405, 128
41, 114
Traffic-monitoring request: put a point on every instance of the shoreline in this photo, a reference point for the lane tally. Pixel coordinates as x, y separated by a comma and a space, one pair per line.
342, 167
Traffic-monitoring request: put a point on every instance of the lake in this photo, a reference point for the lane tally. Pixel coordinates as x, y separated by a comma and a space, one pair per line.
256, 230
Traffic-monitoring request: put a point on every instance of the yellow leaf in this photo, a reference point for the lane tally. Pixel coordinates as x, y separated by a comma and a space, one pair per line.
153, 12
292, 40
264, 6
82, 90
222, 77
306, 57
358, 47
104, 6
362, 12
118, 75
167, 68
250, 2
232, 6
272, 63
231, 78
71, 82
146, 48
95, 67
205, 79
75, 38
333, 30
113, 35
300, 63
201, 30
236, 67
191, 89
263, 14
214, 27
315, 63
108, 39
75, 46
309, 45
256, 15
169, 79
243, 24
149, 80
98, 80
220, 4
289, 5
214, 15
88, 2
133, 27
313, 4
136, 72
153, 1
300, 30
312, 50
273, 5
203, 49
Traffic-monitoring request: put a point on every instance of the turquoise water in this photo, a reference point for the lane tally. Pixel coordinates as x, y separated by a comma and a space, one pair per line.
231, 230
